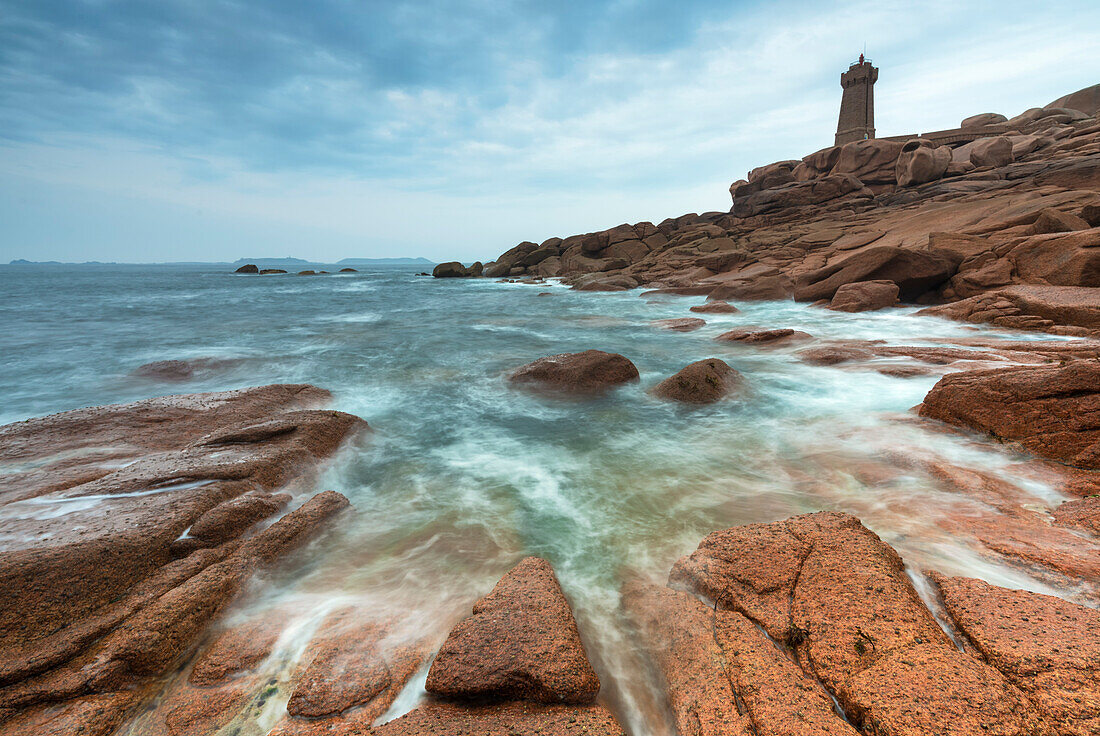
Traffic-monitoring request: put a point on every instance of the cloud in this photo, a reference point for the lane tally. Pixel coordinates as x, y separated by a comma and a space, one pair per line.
460, 128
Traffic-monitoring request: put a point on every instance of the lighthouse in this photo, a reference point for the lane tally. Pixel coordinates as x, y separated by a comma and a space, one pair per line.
857, 106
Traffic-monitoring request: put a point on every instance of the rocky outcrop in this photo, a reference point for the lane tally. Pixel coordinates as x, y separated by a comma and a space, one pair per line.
702, 382
1048, 410
914, 273
521, 643
509, 719
183, 370
101, 599
587, 372
454, 269
985, 118
872, 161
797, 194
864, 296
248, 268
718, 306
1047, 647
831, 591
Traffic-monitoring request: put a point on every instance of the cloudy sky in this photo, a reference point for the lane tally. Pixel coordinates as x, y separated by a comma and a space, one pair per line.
162, 130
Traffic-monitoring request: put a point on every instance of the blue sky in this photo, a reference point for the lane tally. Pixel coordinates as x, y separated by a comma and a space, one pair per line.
214, 129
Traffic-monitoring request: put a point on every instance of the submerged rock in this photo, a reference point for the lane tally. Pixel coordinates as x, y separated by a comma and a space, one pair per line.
757, 337
681, 324
521, 643
587, 372
715, 307
702, 382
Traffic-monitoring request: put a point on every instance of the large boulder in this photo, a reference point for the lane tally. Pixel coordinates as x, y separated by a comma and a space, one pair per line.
994, 152
1086, 100
872, 161
521, 643
920, 162
586, 372
798, 194
702, 382
1045, 409
864, 296
915, 272
453, 269
510, 259
1059, 259
248, 268
983, 119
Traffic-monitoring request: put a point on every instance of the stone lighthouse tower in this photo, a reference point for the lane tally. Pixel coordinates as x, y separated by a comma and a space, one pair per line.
857, 107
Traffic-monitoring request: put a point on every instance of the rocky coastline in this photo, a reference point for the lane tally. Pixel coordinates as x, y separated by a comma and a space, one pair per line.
129, 530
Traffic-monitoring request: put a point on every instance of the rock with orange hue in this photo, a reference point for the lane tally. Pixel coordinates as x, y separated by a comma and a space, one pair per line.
677, 631
920, 162
509, 719
352, 662
182, 370
98, 600
1046, 646
236, 650
1082, 513
914, 272
871, 161
702, 382
681, 324
833, 591
521, 643
768, 287
230, 518
758, 337
864, 296
797, 194
90, 715
1047, 410
587, 372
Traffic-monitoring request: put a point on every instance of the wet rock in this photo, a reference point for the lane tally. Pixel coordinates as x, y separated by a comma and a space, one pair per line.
864, 296
592, 370
269, 271
91, 715
1045, 409
355, 662
702, 382
914, 272
833, 591
681, 324
678, 633
96, 602
231, 518
248, 268
508, 719
1082, 513
715, 307
236, 650
307, 273
1046, 646
520, 643
757, 337
348, 270
453, 269
182, 370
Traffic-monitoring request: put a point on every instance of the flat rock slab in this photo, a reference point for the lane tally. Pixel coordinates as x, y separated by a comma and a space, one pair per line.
761, 337
521, 643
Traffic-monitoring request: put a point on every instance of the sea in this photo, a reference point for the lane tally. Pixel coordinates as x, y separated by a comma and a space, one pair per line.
462, 475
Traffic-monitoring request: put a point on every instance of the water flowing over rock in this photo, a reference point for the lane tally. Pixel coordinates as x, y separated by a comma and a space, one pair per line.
1049, 410
97, 601
865, 296
701, 382
521, 643
587, 372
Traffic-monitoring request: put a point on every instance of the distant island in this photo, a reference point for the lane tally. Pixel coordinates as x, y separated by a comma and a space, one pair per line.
286, 261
